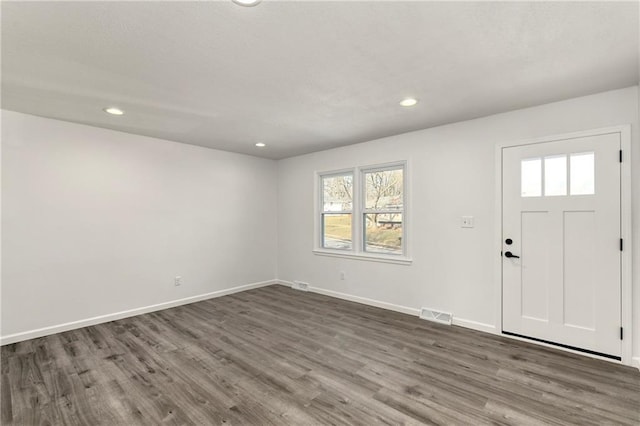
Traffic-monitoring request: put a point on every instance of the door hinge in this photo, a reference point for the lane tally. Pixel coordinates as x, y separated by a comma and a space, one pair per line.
621, 156
621, 244
621, 333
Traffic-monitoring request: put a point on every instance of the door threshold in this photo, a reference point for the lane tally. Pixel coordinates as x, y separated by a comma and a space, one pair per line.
573, 348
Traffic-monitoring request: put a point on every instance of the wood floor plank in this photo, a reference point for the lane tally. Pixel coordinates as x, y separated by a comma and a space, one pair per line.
275, 356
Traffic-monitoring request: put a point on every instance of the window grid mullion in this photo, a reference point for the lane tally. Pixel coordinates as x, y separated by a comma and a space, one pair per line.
383, 211
355, 219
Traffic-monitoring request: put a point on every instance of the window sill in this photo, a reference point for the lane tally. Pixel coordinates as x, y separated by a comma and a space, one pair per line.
398, 260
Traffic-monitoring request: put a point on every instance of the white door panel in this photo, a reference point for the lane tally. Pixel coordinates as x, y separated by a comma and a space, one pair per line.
561, 209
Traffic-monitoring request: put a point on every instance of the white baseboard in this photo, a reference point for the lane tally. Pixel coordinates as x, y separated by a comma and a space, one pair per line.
474, 325
45, 331
366, 301
358, 299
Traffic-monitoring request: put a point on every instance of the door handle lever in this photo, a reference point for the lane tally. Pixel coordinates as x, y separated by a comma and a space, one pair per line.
510, 255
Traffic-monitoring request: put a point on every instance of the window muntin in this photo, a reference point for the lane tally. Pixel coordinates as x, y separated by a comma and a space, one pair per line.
336, 215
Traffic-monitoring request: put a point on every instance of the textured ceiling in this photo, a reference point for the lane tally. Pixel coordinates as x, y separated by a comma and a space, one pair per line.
306, 76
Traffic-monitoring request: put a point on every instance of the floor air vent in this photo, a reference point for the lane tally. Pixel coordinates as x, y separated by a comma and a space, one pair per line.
436, 316
299, 285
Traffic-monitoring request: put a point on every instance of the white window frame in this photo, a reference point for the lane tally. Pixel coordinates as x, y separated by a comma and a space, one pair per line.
364, 210
357, 215
322, 212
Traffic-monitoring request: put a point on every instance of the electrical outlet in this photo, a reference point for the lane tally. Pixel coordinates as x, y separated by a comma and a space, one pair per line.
466, 222
178, 281
343, 276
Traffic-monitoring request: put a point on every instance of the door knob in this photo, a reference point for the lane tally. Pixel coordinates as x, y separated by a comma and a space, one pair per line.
510, 255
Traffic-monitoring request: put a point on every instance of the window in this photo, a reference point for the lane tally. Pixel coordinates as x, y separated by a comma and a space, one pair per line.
531, 180
583, 173
580, 174
362, 213
337, 203
382, 210
555, 175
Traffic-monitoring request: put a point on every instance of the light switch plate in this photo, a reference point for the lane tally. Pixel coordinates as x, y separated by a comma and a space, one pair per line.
466, 222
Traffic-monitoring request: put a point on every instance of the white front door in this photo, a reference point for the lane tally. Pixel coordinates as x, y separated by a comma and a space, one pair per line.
561, 264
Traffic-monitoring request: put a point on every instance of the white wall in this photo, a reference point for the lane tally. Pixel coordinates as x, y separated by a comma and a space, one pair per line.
95, 222
452, 173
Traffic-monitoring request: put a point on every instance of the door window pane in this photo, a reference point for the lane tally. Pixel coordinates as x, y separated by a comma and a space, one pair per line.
337, 193
531, 177
336, 231
555, 175
582, 173
383, 233
383, 190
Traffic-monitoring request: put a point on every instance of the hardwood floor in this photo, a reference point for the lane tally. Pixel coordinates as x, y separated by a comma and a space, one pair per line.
279, 356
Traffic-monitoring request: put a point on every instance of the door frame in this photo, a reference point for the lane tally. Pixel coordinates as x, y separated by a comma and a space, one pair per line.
625, 223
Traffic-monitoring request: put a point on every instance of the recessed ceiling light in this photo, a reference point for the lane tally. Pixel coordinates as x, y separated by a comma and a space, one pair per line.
408, 102
261, 145
114, 111
246, 3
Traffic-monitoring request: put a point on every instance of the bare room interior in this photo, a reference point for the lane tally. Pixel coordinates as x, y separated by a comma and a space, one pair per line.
265, 212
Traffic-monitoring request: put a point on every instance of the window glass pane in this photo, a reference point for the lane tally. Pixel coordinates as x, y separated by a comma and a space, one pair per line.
555, 175
336, 231
383, 190
531, 177
582, 173
383, 233
337, 193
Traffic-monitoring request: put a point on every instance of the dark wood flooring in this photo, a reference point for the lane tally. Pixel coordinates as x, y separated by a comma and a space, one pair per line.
279, 356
